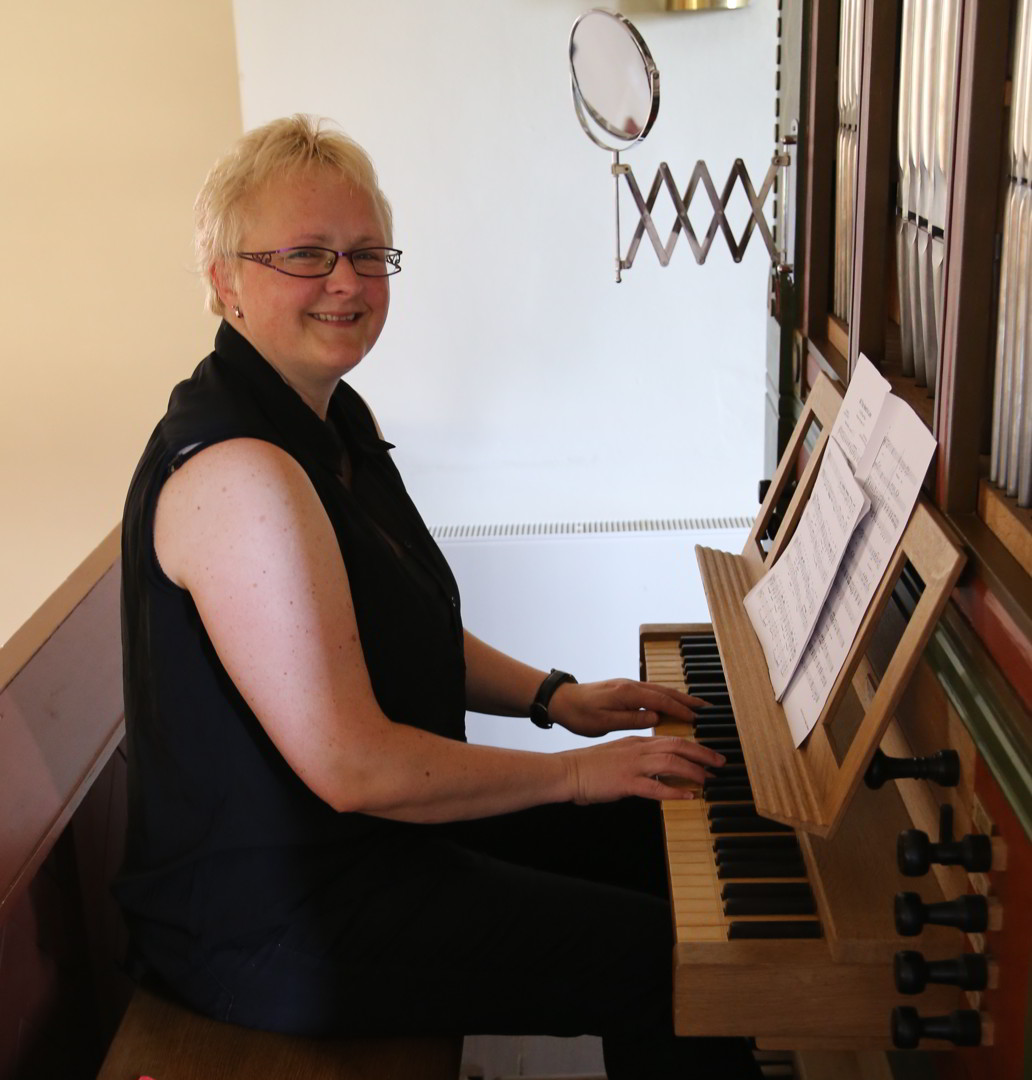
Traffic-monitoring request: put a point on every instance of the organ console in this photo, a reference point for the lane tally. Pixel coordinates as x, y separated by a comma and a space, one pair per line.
905, 871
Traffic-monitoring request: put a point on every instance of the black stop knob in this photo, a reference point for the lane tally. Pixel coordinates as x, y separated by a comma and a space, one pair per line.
962, 1027
915, 853
942, 768
913, 973
967, 913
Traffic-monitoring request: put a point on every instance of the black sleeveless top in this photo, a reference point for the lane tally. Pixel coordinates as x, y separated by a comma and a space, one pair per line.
224, 839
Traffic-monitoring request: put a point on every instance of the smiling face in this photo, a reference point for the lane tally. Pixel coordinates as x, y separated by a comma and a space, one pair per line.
312, 330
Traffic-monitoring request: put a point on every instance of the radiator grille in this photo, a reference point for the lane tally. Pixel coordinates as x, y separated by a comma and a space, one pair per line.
588, 528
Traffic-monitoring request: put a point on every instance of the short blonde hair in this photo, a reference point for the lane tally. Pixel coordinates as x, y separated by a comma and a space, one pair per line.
280, 148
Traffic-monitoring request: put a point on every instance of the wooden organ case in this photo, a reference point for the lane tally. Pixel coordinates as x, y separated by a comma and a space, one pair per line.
909, 242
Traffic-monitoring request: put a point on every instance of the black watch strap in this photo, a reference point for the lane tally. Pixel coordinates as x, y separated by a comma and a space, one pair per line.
539, 708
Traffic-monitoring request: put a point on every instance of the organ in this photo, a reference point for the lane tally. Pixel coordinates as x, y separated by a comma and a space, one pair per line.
912, 893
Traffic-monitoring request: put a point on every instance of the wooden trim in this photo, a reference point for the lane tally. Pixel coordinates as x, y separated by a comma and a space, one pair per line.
16, 652
62, 720
822, 405
973, 215
823, 356
1009, 523
995, 596
785, 990
818, 181
837, 334
874, 165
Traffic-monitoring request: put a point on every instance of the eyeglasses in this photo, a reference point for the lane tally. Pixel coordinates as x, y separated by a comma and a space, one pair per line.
320, 261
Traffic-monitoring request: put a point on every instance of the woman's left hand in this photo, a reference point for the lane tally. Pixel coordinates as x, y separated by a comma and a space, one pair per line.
594, 709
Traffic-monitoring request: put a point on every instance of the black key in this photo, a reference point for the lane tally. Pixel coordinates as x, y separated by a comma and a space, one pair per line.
756, 824
778, 840
719, 779
717, 704
716, 696
715, 693
707, 730
720, 745
774, 929
731, 756
726, 771
736, 890
732, 810
711, 665
758, 853
771, 905
730, 870
728, 793
720, 790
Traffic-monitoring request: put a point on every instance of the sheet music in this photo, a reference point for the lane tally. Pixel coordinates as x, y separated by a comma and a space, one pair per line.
891, 470
860, 410
786, 602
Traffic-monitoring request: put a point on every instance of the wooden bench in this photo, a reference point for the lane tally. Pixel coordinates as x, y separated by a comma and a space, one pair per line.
62, 828
160, 1039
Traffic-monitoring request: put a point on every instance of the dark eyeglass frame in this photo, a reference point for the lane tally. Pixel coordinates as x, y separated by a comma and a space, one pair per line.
392, 259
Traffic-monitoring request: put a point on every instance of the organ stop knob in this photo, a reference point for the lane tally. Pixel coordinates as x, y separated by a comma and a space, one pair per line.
963, 1027
913, 973
915, 853
943, 768
967, 913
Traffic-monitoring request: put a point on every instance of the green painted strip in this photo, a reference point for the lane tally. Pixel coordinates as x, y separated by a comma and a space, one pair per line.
993, 716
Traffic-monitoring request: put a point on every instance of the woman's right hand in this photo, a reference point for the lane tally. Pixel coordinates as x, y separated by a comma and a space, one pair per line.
646, 766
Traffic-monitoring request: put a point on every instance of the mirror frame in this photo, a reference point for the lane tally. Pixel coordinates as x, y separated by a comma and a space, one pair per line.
581, 104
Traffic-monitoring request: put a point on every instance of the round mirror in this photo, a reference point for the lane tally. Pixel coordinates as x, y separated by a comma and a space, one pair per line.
615, 82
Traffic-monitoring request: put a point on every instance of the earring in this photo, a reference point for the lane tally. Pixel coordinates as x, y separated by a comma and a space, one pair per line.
238, 313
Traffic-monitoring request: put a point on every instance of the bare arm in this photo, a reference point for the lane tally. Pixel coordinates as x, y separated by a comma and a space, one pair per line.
241, 528
502, 686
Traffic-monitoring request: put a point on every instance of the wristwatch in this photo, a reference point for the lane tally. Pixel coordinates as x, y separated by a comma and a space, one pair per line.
539, 707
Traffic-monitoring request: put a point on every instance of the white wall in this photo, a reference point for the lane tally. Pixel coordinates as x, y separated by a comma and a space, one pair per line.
518, 380
113, 113
575, 603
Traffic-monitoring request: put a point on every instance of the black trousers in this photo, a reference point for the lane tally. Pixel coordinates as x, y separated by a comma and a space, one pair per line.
552, 921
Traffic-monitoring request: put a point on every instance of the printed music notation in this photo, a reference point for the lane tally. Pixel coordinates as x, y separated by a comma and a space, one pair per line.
785, 604
889, 450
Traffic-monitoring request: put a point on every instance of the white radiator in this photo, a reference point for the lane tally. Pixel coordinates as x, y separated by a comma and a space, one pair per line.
572, 596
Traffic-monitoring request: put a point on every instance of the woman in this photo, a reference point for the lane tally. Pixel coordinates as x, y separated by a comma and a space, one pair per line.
313, 846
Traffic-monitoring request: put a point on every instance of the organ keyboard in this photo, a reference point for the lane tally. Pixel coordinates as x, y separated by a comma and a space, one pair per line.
763, 945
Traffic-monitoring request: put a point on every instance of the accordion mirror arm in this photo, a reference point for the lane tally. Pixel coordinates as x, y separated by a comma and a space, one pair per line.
615, 86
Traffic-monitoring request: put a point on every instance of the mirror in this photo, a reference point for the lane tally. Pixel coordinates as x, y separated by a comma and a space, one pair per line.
615, 82
616, 98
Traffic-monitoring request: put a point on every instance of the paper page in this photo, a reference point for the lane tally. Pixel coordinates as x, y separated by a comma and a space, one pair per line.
786, 602
891, 469
859, 410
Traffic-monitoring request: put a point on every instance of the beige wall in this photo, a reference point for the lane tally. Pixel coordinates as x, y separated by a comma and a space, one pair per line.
112, 113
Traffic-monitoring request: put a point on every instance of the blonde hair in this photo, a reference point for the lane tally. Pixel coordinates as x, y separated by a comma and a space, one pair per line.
280, 148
